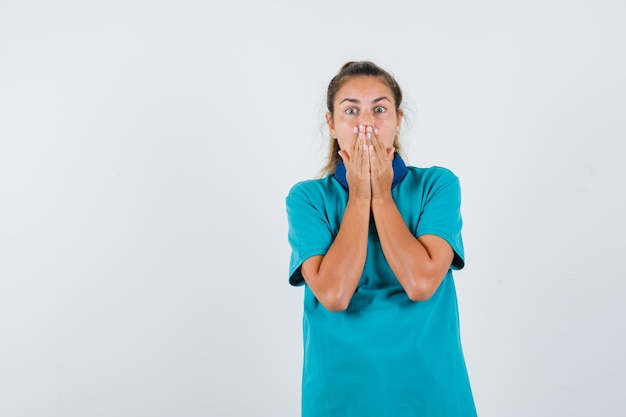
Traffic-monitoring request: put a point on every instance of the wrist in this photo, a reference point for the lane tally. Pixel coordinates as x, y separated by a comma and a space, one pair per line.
359, 200
382, 199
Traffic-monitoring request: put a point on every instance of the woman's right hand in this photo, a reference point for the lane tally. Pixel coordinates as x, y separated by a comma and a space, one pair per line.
357, 165
334, 277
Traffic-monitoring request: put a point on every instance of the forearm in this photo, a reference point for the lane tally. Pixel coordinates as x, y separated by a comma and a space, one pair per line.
336, 275
416, 266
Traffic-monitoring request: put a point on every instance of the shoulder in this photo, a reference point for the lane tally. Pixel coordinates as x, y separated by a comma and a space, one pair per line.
314, 188
309, 184
315, 193
433, 172
434, 176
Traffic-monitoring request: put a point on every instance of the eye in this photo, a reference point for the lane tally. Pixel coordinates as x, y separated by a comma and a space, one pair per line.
351, 111
380, 109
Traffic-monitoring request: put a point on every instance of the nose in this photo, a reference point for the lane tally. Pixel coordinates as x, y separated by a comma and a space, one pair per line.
365, 117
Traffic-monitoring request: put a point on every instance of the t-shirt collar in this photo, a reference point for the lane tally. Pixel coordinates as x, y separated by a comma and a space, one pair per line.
398, 165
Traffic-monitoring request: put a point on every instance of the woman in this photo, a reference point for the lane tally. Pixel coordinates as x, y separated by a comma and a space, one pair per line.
374, 242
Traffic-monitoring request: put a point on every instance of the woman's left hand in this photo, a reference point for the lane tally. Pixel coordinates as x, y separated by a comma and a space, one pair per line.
381, 170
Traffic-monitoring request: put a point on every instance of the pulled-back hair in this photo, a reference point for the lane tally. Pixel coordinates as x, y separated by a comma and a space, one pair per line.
349, 70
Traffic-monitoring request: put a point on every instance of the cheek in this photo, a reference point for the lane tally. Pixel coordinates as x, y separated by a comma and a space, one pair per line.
345, 133
345, 142
387, 137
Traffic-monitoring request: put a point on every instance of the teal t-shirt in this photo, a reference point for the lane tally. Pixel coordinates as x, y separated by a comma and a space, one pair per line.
385, 355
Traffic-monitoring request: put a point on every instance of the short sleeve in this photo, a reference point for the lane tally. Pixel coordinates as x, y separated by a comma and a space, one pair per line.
441, 214
309, 233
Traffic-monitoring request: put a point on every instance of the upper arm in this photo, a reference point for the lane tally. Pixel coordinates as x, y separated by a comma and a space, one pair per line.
309, 232
441, 217
311, 267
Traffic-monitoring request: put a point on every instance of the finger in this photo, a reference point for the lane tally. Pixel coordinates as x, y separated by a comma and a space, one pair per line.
374, 159
363, 153
368, 134
357, 140
379, 153
368, 148
376, 140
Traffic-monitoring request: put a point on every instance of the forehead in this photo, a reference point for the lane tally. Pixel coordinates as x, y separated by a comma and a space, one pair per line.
364, 88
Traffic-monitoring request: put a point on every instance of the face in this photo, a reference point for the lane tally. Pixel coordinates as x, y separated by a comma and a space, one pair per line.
364, 100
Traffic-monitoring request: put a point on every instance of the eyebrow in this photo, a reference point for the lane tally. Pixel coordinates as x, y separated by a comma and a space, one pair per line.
354, 100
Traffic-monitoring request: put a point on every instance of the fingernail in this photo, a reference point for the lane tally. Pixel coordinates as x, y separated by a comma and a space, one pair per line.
356, 129
376, 131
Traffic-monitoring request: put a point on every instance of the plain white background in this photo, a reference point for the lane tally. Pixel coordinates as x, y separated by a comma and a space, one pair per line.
146, 149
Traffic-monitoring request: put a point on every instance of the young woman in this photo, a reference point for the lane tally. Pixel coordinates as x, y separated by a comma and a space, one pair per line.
374, 242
